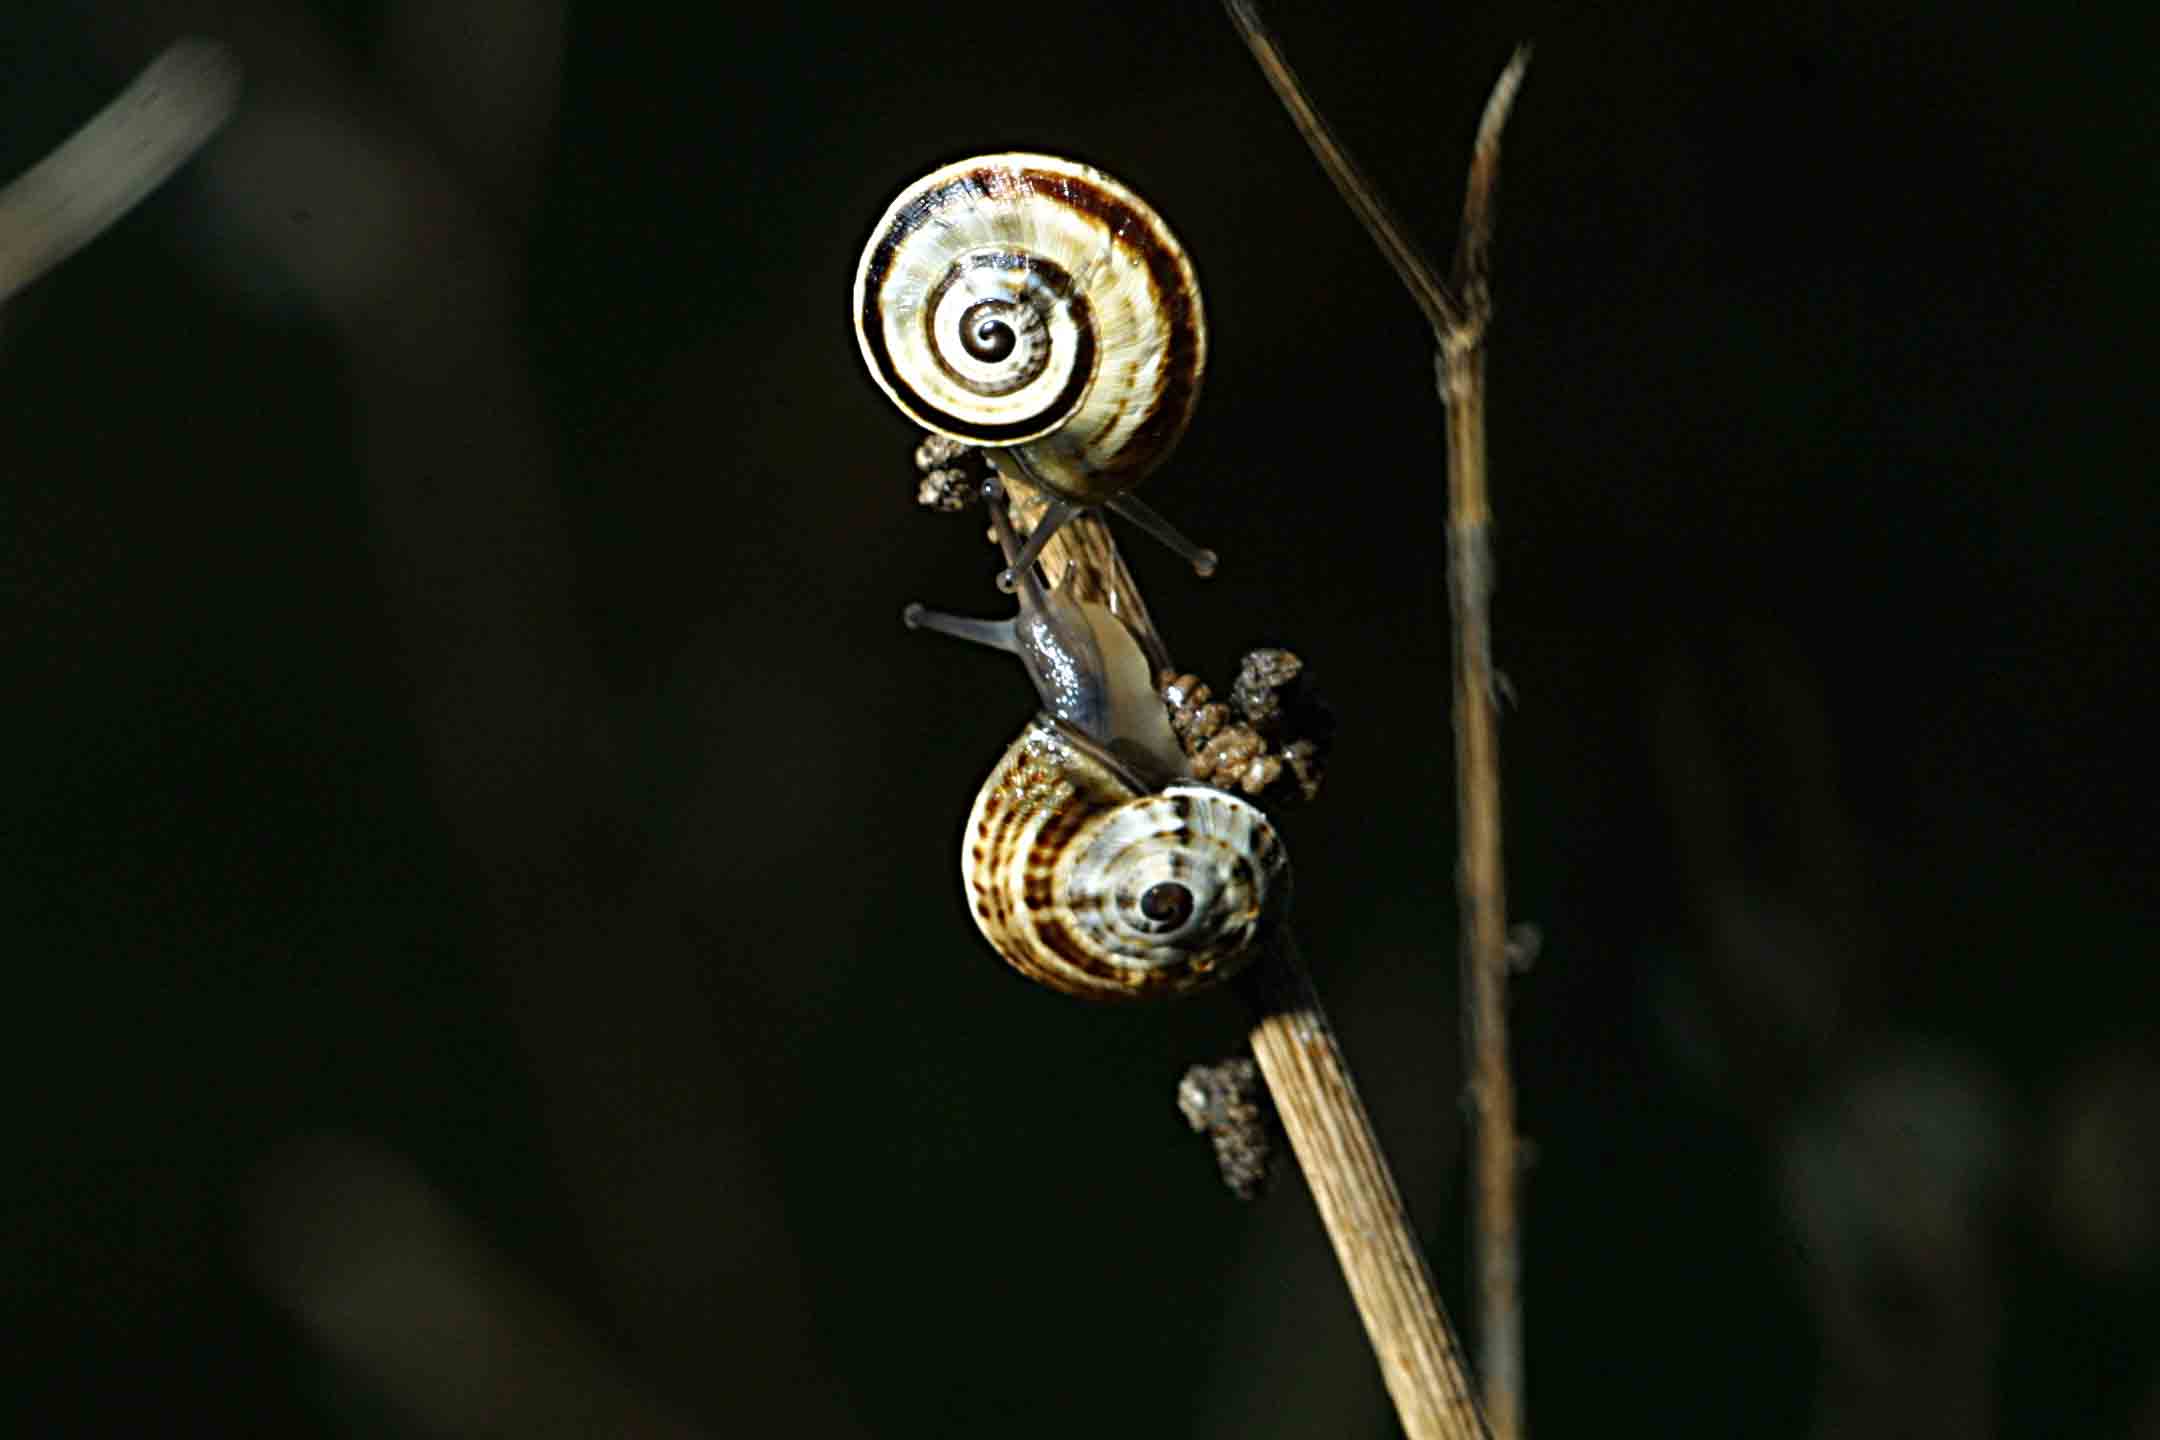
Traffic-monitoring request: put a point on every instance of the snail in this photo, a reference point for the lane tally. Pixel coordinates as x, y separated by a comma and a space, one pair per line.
1038, 309
1091, 860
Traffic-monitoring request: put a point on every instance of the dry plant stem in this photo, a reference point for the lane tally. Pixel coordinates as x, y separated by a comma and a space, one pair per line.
1481, 887
1480, 879
119, 156
1317, 1102
1458, 312
1333, 1138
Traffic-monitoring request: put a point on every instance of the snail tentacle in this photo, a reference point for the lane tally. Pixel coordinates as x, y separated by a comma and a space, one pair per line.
1055, 513
1148, 518
996, 634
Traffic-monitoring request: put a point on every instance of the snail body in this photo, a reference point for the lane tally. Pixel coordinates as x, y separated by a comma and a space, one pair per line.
1092, 862
1036, 308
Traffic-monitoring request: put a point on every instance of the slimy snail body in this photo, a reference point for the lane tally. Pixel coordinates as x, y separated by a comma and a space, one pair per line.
1092, 862
1037, 308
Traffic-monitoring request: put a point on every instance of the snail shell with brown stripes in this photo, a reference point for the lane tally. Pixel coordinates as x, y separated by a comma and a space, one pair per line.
1037, 308
1088, 882
1091, 861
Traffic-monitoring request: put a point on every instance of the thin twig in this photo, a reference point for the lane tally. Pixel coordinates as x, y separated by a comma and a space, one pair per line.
1332, 1136
1359, 193
1458, 313
120, 155
1480, 880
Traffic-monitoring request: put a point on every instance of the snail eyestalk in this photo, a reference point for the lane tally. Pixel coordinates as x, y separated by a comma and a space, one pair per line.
997, 634
1148, 518
1055, 514
1058, 509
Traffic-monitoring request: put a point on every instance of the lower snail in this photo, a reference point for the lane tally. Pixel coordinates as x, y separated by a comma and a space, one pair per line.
1037, 308
1091, 862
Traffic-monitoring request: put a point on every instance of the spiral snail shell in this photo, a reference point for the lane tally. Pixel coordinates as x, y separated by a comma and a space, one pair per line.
1089, 883
1037, 308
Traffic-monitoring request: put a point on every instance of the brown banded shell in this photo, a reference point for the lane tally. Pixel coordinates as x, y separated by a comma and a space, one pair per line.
1035, 304
1091, 885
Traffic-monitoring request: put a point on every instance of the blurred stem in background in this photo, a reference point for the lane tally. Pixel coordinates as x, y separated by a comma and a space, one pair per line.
120, 155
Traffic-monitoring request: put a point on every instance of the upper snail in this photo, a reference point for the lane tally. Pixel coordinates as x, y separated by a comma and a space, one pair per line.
1037, 308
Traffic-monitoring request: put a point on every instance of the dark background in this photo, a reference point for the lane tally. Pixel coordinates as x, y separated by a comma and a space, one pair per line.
478, 886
